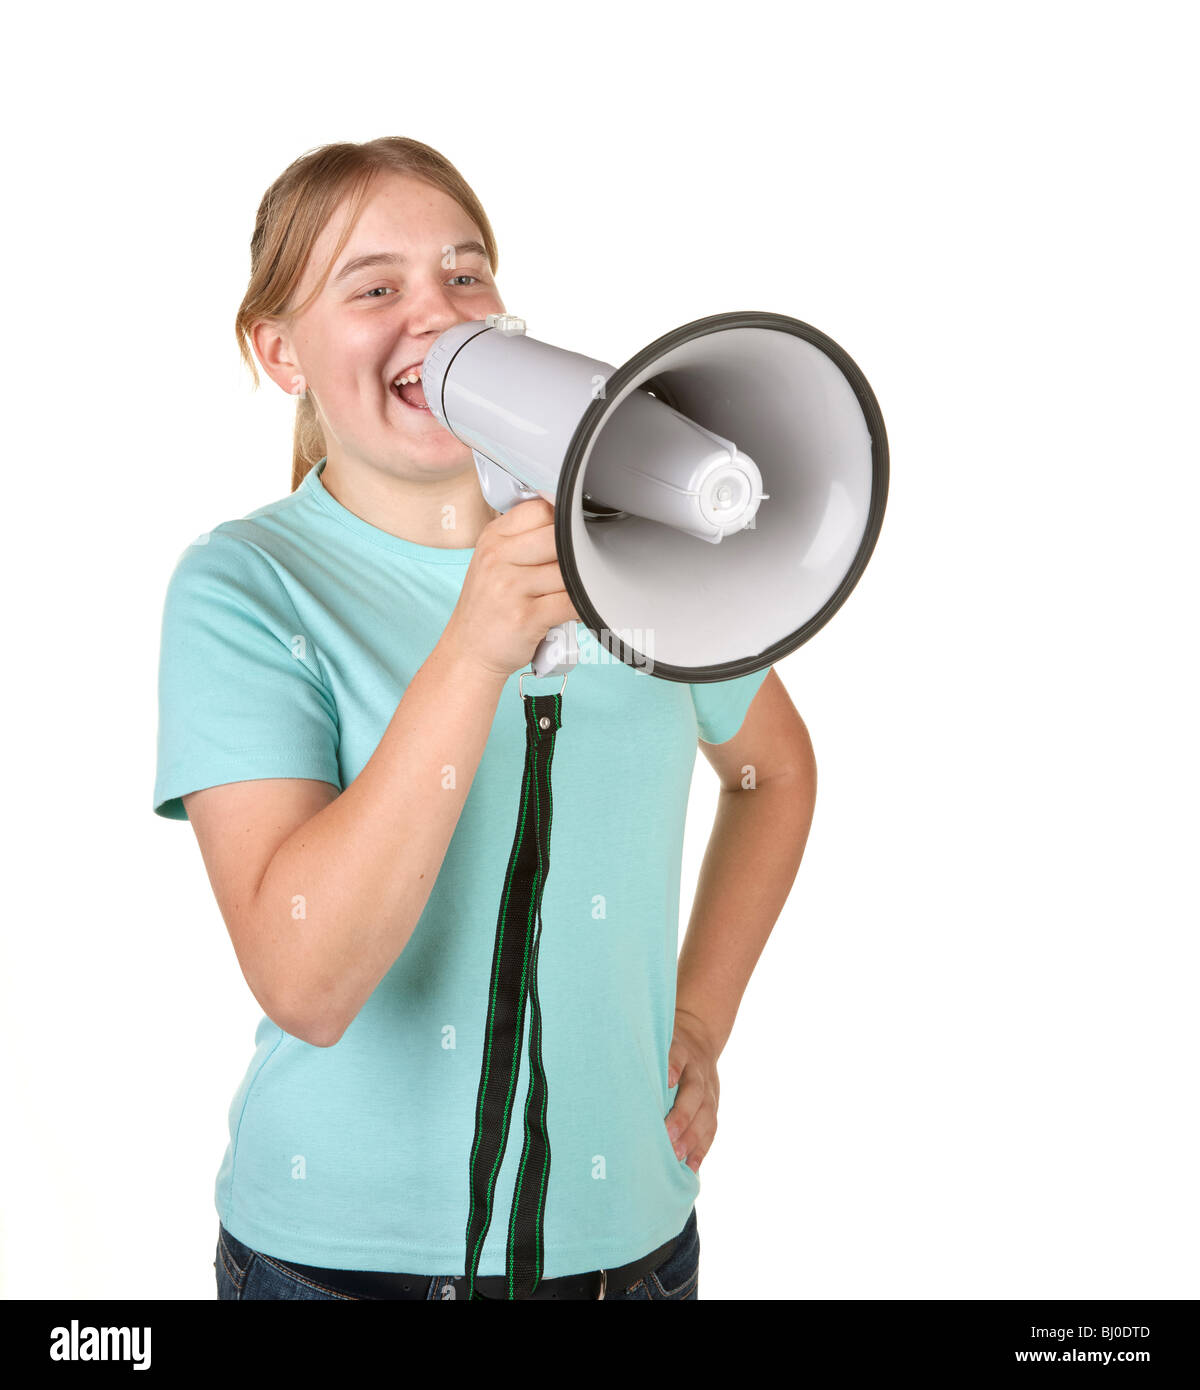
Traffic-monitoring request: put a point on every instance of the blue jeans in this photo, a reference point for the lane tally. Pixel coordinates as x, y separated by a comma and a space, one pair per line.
243, 1273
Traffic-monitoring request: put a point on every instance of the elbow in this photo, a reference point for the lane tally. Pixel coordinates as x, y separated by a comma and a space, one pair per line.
315, 1031
325, 1033
316, 1027
323, 1037
304, 1008
302, 1019
808, 769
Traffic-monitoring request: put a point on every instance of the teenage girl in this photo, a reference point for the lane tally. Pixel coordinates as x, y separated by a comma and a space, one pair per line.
340, 721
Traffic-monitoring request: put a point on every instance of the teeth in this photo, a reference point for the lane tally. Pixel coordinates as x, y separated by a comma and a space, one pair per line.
407, 380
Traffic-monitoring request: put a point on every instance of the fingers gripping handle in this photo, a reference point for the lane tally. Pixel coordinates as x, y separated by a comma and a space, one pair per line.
558, 651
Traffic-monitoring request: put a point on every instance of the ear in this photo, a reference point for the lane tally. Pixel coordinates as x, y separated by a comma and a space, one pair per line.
272, 345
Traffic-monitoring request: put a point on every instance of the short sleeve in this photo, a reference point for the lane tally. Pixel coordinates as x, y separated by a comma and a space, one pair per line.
240, 691
721, 706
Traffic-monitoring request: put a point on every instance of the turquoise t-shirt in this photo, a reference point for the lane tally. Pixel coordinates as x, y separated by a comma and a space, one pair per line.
289, 638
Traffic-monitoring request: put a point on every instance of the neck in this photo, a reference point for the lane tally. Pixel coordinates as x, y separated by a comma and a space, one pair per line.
445, 513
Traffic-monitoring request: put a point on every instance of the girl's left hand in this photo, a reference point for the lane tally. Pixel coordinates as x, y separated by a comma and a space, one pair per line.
692, 1121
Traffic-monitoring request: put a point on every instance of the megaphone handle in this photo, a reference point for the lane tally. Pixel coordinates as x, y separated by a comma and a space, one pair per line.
557, 651
500, 489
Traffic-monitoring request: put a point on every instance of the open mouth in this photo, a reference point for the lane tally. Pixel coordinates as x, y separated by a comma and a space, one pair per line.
407, 389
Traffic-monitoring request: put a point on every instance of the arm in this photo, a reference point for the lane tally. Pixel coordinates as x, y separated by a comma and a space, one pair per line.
321, 891
754, 851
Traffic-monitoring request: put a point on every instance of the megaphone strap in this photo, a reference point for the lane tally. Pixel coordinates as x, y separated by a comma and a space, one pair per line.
513, 980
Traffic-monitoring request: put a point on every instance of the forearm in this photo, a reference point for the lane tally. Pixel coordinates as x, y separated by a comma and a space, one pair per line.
343, 894
753, 854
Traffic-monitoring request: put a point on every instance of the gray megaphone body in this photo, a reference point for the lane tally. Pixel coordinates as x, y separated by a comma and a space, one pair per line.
657, 471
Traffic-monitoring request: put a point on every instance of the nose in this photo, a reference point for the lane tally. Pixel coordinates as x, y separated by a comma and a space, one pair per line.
434, 307
434, 314
442, 304
428, 330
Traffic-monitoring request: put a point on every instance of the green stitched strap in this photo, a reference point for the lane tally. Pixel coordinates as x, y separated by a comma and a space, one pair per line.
513, 980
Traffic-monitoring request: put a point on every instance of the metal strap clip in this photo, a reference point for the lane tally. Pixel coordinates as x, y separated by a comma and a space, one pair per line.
520, 682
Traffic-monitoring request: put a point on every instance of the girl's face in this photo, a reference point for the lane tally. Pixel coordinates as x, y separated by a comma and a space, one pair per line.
372, 322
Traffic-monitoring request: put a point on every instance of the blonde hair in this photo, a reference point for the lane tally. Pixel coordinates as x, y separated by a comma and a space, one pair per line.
292, 215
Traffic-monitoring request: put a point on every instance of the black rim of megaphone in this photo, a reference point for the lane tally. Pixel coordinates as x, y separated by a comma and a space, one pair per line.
594, 416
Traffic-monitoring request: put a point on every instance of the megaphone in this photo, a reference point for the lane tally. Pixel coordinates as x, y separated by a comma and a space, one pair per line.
715, 501
716, 498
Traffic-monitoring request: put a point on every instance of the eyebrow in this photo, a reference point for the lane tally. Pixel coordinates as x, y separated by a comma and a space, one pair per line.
464, 248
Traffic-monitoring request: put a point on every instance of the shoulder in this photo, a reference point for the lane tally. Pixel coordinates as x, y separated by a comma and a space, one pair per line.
245, 553
243, 569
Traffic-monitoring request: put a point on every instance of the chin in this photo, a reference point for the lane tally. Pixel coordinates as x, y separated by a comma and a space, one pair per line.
442, 450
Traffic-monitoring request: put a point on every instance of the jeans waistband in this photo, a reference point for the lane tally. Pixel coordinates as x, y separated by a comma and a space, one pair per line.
589, 1285
372, 1283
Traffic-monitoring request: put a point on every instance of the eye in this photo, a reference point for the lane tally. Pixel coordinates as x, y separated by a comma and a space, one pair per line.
387, 289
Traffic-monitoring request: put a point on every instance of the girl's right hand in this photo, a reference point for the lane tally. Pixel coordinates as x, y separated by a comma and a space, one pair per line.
513, 592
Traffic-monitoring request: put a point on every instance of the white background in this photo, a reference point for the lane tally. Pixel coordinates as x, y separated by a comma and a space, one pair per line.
966, 1064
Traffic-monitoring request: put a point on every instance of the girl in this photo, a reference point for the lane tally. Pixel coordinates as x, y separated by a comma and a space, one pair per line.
340, 722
